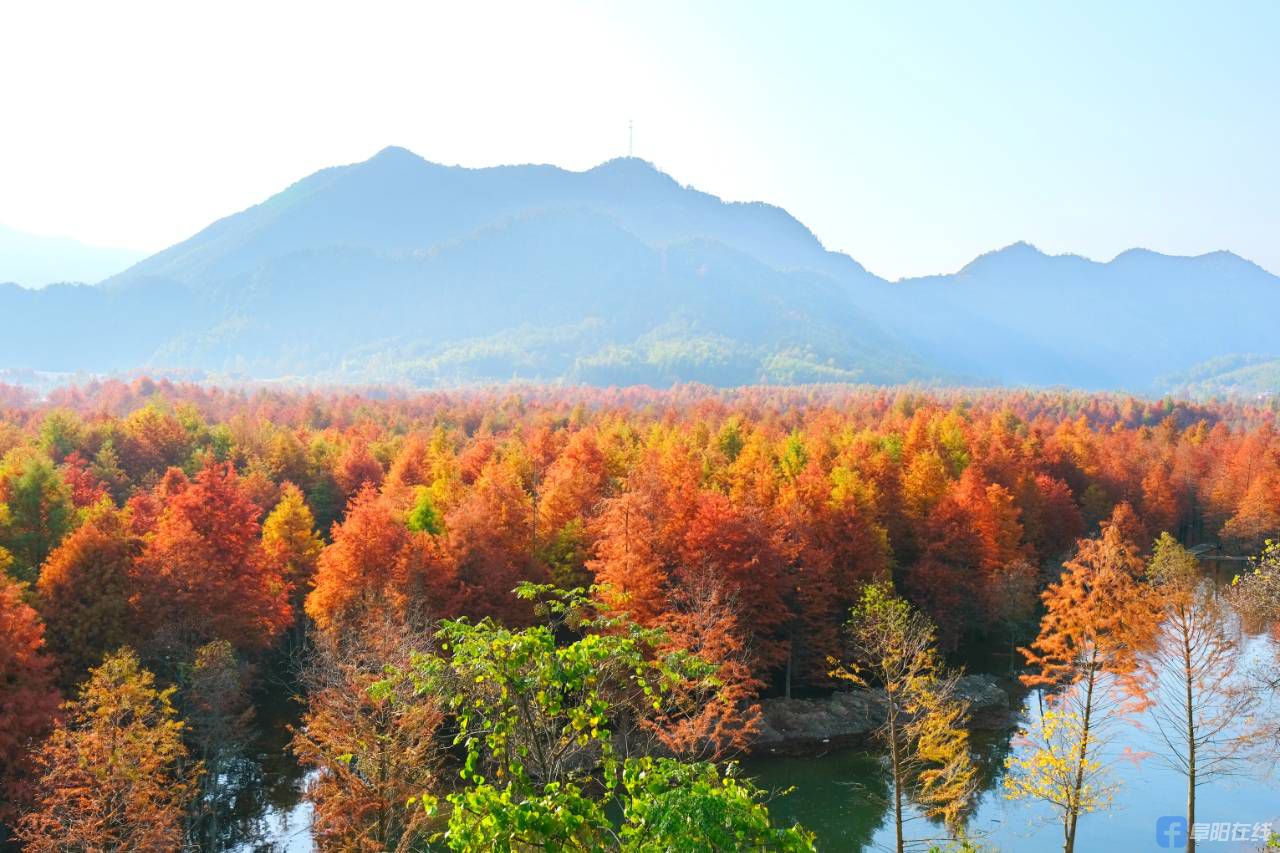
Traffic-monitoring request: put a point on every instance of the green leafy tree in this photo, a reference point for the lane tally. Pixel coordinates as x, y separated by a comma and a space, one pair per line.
61, 433
564, 554
36, 511
670, 805
542, 723
423, 517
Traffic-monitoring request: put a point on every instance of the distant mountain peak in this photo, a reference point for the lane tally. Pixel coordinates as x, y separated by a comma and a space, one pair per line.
1137, 253
34, 261
395, 152
1220, 257
637, 164
1021, 248
1019, 252
633, 171
408, 269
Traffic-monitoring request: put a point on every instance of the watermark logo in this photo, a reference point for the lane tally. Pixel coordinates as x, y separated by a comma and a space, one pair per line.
1172, 831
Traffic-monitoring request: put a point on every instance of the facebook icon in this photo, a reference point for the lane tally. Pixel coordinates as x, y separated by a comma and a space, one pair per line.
1171, 831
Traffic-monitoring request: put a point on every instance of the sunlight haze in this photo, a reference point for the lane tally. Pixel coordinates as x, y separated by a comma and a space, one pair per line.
913, 141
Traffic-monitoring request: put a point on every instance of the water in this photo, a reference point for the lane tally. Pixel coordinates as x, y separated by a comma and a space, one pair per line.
843, 795
273, 816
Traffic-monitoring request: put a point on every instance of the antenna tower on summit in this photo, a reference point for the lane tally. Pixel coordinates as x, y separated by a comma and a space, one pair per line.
631, 138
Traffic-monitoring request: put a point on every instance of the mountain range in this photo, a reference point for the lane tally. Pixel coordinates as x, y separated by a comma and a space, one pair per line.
399, 270
32, 260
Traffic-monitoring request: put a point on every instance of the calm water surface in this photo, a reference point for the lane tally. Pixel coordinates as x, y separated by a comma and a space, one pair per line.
843, 796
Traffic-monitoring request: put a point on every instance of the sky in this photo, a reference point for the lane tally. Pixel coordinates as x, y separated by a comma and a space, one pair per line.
914, 136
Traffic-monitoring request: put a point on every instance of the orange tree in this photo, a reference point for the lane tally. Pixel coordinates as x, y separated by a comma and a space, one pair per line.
28, 696
1098, 621
115, 775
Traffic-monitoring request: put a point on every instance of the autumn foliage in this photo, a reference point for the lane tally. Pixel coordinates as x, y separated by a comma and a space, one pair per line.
85, 589
115, 775
375, 561
787, 499
203, 574
740, 524
370, 754
28, 697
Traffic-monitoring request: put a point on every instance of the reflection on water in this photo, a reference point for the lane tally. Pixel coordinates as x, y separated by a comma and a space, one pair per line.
843, 796
269, 813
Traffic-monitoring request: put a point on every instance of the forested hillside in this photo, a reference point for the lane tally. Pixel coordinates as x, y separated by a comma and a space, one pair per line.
399, 270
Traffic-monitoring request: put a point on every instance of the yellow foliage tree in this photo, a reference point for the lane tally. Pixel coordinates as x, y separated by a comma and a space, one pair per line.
291, 544
115, 775
892, 646
1055, 771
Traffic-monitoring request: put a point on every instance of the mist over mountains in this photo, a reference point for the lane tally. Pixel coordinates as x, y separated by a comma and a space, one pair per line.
401, 270
32, 260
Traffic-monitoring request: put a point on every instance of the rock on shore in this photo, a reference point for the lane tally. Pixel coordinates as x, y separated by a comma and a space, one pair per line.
805, 726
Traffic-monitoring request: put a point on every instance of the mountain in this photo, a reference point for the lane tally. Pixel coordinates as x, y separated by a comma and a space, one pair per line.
1232, 376
1019, 316
33, 261
397, 269
401, 270
396, 202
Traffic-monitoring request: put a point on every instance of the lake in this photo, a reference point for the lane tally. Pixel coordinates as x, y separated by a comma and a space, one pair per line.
842, 796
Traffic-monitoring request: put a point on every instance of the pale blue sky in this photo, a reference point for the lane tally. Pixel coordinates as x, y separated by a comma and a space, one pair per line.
912, 135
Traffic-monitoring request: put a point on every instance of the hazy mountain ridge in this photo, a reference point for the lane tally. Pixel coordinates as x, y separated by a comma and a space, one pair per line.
34, 261
1232, 375
397, 269
1020, 316
398, 202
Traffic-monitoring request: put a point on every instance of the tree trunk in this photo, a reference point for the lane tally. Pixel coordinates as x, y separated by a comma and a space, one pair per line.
897, 773
1073, 808
790, 654
1191, 738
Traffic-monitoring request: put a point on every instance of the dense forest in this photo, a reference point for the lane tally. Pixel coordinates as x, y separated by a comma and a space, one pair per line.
547, 617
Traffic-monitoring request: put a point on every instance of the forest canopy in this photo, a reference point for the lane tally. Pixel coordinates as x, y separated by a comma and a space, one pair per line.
683, 554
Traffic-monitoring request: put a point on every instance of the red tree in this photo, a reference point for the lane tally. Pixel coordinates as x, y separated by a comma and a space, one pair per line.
203, 574
572, 485
357, 468
28, 698
490, 537
714, 717
86, 487
374, 559
735, 548
626, 564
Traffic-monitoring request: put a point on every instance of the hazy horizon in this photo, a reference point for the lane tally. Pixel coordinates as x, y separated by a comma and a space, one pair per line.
912, 140
56, 238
